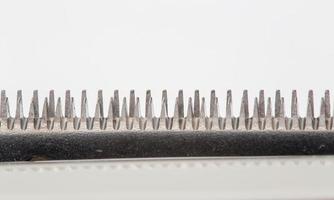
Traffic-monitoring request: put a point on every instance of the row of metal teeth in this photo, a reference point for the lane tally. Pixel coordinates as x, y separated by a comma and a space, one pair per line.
122, 117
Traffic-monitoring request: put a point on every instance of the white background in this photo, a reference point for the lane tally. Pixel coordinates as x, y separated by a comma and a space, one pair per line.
157, 45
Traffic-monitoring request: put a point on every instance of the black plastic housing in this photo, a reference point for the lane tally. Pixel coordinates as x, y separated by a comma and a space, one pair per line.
144, 144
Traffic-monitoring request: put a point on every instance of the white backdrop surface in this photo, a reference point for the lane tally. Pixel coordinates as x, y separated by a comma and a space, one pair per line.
201, 44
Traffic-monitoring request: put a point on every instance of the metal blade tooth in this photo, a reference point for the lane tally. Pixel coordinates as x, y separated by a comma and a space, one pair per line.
190, 115
84, 105
213, 104
179, 122
110, 119
148, 123
261, 104
180, 104
164, 96
268, 121
59, 110
99, 106
328, 110
281, 120
43, 124
98, 116
76, 119
67, 109
154, 119
327, 104
277, 103
52, 107
100, 102
19, 105
19, 117
124, 110
322, 118
295, 118
201, 122
4, 110
110, 109
294, 104
70, 122
175, 119
45, 109
169, 119
33, 112
309, 120
117, 123
132, 109
164, 119
132, 104
116, 104
197, 110
84, 123
116, 110
211, 110
255, 124
219, 118
164, 111
203, 108
36, 104
124, 116
150, 119
73, 123
215, 117
214, 122
138, 119
245, 104
58, 122
229, 119
197, 104
10, 119
29, 122
176, 108
68, 104
148, 105
244, 112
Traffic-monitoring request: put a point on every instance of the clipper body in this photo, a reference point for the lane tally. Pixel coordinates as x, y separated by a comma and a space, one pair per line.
125, 133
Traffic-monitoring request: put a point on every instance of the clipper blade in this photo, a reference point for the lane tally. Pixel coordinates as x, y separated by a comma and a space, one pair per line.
125, 114
59, 133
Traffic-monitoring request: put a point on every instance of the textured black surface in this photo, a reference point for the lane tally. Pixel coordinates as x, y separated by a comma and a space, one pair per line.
63, 146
